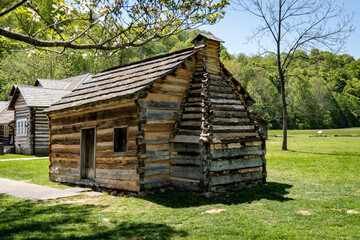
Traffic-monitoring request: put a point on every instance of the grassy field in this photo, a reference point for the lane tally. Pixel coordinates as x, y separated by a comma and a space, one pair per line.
313, 192
15, 156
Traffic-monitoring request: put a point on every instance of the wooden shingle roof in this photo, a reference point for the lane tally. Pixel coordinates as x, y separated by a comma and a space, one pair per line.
122, 80
6, 116
207, 36
45, 92
37, 96
3, 104
52, 84
65, 84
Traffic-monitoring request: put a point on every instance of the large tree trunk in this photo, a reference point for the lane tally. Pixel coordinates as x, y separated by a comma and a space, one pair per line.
282, 77
284, 107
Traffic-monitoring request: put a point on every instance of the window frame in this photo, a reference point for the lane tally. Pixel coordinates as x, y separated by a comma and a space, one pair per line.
126, 140
21, 127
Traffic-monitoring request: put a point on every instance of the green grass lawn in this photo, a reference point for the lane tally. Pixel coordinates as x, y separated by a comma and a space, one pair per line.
313, 192
15, 156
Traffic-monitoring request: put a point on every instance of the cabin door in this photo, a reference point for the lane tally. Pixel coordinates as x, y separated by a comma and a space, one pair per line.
87, 154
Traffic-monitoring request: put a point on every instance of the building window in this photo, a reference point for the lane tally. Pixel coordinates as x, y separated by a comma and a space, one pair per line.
120, 137
21, 127
6, 131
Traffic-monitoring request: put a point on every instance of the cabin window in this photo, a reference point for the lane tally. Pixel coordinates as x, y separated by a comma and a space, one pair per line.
21, 127
6, 131
120, 138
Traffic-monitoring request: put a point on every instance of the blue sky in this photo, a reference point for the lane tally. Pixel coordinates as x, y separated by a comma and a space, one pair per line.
236, 26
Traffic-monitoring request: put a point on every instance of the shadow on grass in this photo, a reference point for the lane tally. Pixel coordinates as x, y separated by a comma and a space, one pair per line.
326, 154
21, 219
181, 199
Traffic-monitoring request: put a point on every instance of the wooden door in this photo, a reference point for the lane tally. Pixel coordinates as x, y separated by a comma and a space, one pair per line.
87, 154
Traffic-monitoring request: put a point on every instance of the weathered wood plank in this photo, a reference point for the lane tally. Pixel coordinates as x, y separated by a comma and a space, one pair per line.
191, 172
166, 127
118, 184
157, 137
108, 183
66, 171
103, 124
126, 174
160, 115
185, 159
236, 152
235, 177
156, 147
185, 147
127, 111
164, 97
154, 172
223, 165
166, 105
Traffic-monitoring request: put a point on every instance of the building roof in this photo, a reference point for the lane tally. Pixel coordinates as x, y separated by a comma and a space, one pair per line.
49, 83
3, 104
122, 80
259, 118
132, 78
6, 116
201, 36
65, 84
37, 96
46, 91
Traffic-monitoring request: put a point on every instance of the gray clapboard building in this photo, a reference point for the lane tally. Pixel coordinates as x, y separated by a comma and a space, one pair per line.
31, 128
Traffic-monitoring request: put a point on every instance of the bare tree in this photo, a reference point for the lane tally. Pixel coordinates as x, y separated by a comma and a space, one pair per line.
296, 25
101, 24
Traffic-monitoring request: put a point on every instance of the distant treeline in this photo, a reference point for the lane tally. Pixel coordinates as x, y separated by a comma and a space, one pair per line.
323, 88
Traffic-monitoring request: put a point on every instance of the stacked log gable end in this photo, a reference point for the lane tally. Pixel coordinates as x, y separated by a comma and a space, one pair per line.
178, 119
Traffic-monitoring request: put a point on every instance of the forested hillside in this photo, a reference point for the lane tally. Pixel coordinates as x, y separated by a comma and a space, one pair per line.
323, 88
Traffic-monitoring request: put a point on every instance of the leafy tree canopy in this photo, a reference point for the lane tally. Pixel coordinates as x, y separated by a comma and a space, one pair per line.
58, 25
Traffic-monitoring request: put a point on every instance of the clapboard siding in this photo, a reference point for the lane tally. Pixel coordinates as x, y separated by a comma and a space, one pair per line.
120, 170
23, 144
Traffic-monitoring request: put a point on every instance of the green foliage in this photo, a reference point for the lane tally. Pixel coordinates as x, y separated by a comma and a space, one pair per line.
322, 88
60, 26
24, 68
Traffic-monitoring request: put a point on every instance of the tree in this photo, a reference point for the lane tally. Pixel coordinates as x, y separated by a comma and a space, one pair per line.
100, 24
294, 25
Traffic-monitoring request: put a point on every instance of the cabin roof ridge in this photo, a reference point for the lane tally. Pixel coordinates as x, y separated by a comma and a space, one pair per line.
149, 59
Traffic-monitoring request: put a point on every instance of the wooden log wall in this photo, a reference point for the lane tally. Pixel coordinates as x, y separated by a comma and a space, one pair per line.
4, 138
188, 168
187, 164
40, 131
112, 170
23, 144
159, 111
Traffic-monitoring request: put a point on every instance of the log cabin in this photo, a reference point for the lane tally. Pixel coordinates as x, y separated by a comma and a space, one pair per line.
179, 119
6, 124
28, 102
